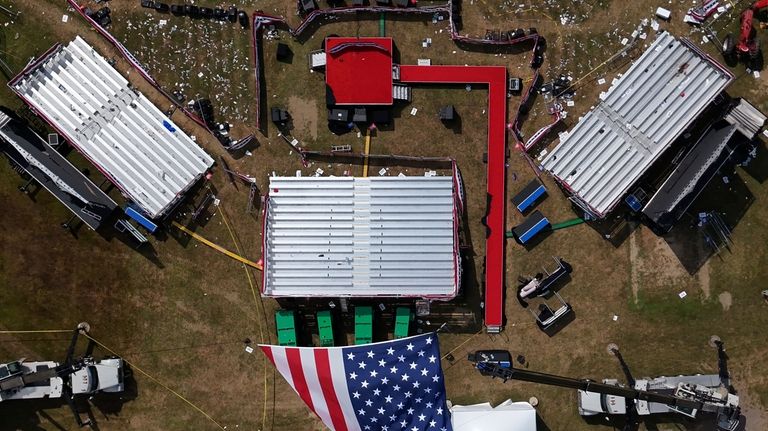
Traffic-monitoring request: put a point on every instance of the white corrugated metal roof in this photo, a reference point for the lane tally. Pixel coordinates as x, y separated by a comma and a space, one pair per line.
115, 126
638, 118
344, 236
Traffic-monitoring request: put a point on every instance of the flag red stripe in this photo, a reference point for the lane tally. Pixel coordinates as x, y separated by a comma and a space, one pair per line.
326, 382
268, 351
297, 373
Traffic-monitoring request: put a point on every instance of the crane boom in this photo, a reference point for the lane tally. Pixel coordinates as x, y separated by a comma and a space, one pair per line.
495, 371
688, 397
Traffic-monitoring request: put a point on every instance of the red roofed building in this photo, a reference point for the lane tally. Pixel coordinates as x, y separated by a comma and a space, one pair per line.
358, 71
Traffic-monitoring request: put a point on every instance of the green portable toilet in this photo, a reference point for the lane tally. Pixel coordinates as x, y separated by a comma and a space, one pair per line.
363, 325
325, 328
403, 319
286, 328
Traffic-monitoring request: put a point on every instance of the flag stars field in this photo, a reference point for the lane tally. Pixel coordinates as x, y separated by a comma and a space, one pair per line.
329, 381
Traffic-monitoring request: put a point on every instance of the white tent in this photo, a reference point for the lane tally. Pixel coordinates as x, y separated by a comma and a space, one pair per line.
507, 416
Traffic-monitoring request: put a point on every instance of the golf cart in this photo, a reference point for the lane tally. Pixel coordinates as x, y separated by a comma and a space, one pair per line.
542, 283
551, 321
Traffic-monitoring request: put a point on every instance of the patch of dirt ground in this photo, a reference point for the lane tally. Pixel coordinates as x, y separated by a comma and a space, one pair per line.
304, 114
756, 418
703, 277
726, 300
652, 258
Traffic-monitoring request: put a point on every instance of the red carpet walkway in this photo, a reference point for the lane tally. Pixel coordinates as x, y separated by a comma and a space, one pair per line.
496, 79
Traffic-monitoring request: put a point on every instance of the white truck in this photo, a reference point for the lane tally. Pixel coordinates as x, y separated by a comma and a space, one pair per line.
687, 395
708, 388
105, 375
20, 380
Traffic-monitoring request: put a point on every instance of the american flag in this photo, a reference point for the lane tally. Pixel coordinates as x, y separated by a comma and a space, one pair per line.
389, 386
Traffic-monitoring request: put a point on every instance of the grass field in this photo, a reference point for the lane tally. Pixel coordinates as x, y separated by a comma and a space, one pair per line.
183, 313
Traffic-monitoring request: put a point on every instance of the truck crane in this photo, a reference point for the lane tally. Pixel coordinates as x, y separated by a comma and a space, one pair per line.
747, 46
23, 380
687, 395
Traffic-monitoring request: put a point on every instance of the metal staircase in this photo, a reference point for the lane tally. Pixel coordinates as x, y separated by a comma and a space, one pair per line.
401, 92
55, 178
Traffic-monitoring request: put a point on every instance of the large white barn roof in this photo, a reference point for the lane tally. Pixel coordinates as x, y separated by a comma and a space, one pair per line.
344, 236
638, 118
117, 128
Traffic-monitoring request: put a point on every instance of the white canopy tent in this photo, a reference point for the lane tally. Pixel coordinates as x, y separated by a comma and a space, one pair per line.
507, 416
